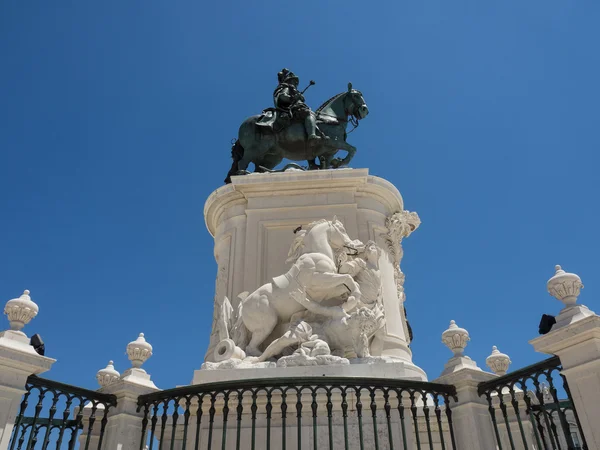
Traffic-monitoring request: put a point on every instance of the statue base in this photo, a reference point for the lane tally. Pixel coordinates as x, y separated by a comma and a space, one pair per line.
255, 219
372, 367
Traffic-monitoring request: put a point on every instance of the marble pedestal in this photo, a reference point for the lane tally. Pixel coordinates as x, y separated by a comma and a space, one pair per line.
253, 220
389, 369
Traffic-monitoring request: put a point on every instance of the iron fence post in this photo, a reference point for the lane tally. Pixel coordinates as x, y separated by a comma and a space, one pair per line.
338, 406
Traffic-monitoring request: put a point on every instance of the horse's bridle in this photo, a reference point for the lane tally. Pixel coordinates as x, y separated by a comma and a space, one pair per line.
331, 225
354, 121
355, 251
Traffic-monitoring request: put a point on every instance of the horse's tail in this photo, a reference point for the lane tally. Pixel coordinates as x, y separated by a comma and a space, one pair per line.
237, 152
240, 333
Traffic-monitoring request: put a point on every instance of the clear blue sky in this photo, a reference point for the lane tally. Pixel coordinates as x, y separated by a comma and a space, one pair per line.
115, 125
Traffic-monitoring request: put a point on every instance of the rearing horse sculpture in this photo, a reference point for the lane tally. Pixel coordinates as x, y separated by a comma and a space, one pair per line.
267, 149
314, 272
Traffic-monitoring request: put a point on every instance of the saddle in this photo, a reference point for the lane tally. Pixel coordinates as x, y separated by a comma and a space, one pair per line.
274, 119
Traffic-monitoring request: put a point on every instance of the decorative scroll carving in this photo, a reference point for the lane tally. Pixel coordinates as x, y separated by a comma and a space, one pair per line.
399, 226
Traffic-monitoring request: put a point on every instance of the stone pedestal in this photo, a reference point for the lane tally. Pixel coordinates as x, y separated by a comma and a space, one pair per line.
470, 415
253, 221
18, 360
577, 344
124, 428
472, 424
386, 369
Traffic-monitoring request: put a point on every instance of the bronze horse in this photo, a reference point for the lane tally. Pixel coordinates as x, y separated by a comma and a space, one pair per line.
266, 149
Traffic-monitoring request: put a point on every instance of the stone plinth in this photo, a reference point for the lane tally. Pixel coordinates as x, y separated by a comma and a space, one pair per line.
253, 220
386, 370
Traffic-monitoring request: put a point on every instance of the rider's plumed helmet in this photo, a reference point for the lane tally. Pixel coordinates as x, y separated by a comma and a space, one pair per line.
287, 76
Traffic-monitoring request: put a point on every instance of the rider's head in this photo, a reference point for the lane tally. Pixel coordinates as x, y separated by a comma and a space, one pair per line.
287, 76
293, 80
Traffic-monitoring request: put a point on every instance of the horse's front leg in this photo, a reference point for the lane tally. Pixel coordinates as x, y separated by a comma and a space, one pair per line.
350, 149
335, 312
327, 281
325, 160
242, 164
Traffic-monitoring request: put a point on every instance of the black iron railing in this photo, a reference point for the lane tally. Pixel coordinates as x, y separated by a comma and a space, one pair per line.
300, 413
56, 415
534, 405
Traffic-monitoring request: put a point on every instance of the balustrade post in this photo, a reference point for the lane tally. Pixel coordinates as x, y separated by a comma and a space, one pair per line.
575, 339
18, 360
124, 428
470, 416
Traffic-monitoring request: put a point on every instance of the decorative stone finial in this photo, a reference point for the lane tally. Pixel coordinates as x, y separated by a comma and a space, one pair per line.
20, 311
565, 286
139, 351
498, 362
455, 338
108, 375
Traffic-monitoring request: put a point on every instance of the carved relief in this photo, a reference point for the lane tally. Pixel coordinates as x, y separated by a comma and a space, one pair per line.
222, 257
330, 299
399, 226
223, 310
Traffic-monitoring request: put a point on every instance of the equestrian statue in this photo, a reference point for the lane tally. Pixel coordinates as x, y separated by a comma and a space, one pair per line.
292, 130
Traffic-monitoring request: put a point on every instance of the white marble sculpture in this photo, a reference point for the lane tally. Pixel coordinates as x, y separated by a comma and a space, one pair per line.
400, 225
325, 309
222, 323
363, 266
313, 271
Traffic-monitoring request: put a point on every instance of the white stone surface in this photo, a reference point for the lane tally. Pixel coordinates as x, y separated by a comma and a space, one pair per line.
20, 311
108, 375
18, 360
124, 427
577, 344
498, 362
472, 423
253, 219
564, 286
226, 349
284, 311
455, 338
368, 368
470, 416
139, 351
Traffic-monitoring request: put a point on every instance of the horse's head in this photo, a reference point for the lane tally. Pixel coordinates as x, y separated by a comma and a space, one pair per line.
338, 237
355, 104
323, 236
